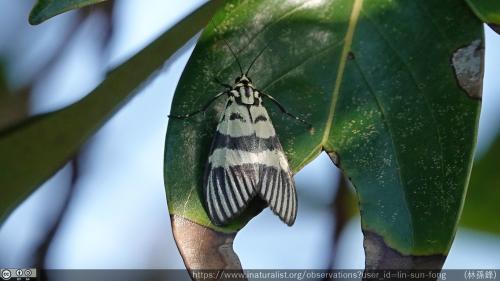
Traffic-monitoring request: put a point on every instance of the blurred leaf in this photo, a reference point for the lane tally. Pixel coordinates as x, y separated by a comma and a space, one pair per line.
14, 106
487, 10
46, 9
381, 93
34, 150
4, 89
481, 204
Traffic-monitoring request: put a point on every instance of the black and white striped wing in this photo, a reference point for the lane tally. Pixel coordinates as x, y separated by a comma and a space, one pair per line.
232, 173
276, 185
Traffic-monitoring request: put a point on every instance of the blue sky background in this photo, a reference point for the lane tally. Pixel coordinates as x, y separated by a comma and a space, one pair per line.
119, 218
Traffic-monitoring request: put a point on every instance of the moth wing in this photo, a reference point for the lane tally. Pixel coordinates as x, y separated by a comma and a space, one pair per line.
276, 185
231, 175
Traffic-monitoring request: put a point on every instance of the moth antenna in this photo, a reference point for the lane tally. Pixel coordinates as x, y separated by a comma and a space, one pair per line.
255, 59
228, 46
234, 55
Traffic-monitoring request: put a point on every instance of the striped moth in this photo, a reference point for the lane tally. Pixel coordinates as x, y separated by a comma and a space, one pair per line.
246, 159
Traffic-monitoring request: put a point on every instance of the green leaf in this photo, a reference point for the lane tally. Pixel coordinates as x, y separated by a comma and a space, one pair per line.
481, 204
33, 151
487, 10
46, 9
393, 99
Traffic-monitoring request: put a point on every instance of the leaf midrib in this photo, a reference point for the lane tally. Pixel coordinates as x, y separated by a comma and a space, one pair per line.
348, 38
353, 20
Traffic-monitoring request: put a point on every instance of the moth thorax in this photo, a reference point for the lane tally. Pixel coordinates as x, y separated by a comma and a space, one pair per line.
247, 95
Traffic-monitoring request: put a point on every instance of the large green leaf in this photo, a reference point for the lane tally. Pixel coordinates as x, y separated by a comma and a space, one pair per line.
487, 10
46, 9
391, 88
33, 151
481, 204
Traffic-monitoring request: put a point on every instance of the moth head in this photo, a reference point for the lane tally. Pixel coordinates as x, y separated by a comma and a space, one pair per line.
243, 79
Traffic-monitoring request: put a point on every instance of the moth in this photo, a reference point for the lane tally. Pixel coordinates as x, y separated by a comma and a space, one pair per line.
246, 158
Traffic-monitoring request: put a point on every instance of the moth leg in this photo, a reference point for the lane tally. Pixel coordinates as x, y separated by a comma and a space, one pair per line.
203, 109
283, 109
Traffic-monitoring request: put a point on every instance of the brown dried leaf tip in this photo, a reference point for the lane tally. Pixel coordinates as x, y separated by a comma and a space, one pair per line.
204, 249
380, 256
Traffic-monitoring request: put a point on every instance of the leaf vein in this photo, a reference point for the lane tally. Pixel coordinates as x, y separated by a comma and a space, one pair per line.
419, 91
393, 145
